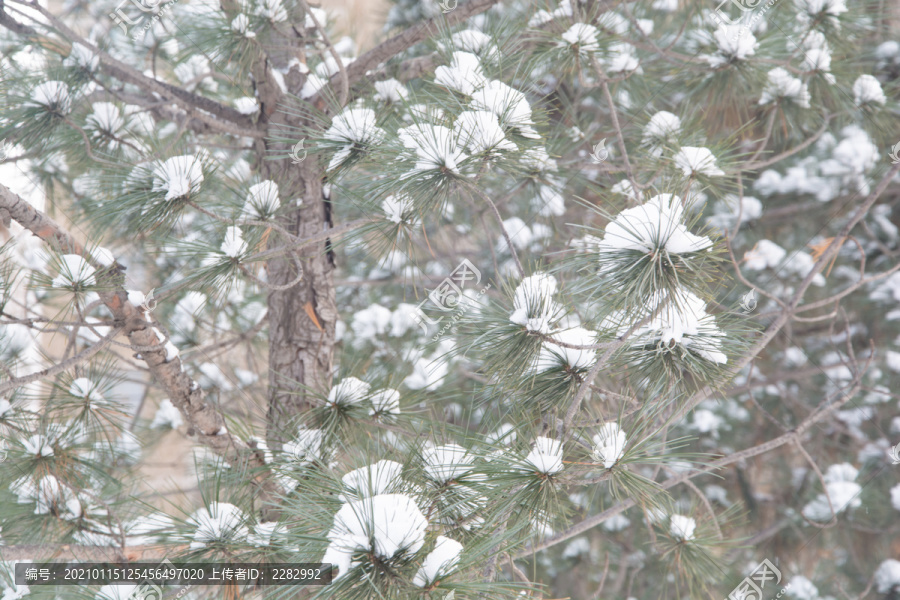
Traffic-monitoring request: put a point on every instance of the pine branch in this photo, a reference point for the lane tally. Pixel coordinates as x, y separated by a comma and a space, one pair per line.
831, 404
787, 313
204, 420
86, 354
237, 123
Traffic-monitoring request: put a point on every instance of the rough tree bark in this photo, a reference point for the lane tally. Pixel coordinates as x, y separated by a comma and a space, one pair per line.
301, 319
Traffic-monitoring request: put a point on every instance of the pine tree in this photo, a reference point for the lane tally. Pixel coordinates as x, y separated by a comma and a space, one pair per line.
484, 311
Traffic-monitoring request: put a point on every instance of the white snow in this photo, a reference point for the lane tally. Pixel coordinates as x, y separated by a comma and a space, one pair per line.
107, 119
241, 25
272, 10
435, 147
382, 477
103, 256
892, 360
545, 456
111, 592
765, 254
609, 444
895, 496
306, 448
320, 15
428, 373
683, 320
83, 58
682, 527
313, 84
179, 176
553, 356
887, 576
725, 212
533, 304
353, 127
803, 589
38, 445
505, 434
390, 90
662, 129
479, 131
220, 521
349, 391
446, 463
621, 58
782, 85
388, 525
583, 38
476, 42
262, 200
706, 421
85, 388
369, 323
246, 105
697, 161
819, 60
549, 202
657, 224
167, 415
385, 401
439, 562
509, 104
53, 95
841, 487
464, 74
734, 43
233, 245
262, 533
74, 271
867, 90
814, 8
398, 209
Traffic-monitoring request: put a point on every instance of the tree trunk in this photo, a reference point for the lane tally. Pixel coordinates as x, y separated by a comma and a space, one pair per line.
301, 319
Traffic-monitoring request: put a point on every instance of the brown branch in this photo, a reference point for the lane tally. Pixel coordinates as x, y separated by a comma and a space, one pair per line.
390, 48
